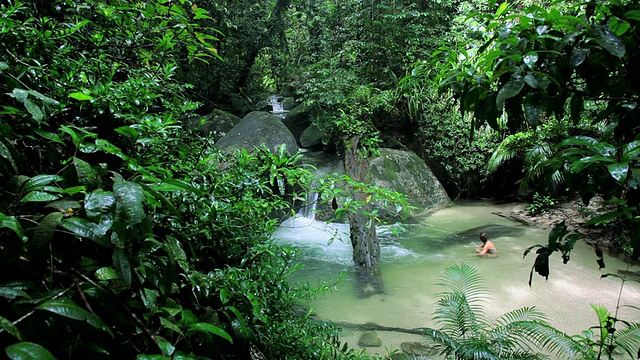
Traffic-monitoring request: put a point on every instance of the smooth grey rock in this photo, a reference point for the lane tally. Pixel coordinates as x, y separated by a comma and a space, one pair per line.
258, 128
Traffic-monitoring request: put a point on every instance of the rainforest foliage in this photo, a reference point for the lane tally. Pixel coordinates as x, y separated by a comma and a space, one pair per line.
125, 234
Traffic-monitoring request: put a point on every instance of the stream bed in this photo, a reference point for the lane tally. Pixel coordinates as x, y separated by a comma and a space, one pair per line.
413, 260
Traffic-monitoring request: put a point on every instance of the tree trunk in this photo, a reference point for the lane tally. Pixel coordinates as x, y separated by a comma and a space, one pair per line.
362, 231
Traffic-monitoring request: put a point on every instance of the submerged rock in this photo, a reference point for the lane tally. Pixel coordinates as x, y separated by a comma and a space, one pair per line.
369, 339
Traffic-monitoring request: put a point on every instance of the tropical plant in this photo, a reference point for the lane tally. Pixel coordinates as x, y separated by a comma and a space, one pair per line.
467, 333
574, 61
122, 233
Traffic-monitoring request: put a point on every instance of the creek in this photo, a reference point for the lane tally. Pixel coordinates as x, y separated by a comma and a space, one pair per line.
413, 260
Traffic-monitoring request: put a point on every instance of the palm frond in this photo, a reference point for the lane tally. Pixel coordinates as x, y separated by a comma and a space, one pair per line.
503, 153
455, 315
554, 341
464, 279
444, 343
629, 339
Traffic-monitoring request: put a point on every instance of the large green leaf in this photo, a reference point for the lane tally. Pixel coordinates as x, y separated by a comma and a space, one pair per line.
13, 290
578, 56
86, 175
122, 266
44, 232
510, 89
537, 80
129, 198
12, 223
8, 326
608, 40
585, 162
211, 329
86, 229
99, 203
619, 171
28, 351
38, 181
5, 153
66, 307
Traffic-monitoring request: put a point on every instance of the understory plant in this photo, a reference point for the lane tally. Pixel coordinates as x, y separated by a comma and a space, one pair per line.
123, 234
467, 333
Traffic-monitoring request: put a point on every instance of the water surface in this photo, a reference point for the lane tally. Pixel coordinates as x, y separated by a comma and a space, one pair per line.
413, 260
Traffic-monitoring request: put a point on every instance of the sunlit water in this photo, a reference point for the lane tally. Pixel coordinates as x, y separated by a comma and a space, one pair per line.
413, 261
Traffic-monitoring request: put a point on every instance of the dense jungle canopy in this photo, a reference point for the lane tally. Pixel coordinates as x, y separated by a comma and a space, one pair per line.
125, 233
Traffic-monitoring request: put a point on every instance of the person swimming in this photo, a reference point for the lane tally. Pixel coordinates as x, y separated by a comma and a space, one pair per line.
487, 247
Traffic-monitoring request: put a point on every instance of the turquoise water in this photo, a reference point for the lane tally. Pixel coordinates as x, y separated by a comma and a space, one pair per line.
413, 260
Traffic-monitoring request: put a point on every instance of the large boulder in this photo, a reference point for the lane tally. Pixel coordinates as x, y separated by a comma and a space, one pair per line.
217, 123
311, 138
406, 173
258, 128
297, 121
401, 171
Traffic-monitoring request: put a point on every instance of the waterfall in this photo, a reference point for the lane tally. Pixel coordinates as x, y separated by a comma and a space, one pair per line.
308, 209
277, 106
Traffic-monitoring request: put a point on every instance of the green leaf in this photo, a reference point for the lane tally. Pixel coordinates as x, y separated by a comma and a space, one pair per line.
129, 197
49, 136
99, 202
585, 162
578, 56
66, 307
5, 153
619, 171
13, 290
212, 329
165, 346
122, 266
12, 223
608, 40
28, 351
502, 8
79, 95
39, 196
45, 99
86, 229
632, 15
530, 59
86, 175
44, 232
38, 181
510, 89
34, 110
532, 109
8, 326
105, 273
537, 80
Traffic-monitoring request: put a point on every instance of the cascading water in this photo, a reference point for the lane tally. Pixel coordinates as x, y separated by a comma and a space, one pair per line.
277, 106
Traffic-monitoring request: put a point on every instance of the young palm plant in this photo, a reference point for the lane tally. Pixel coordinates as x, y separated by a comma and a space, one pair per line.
466, 332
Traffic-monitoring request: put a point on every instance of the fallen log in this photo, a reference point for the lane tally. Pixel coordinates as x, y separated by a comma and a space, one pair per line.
374, 326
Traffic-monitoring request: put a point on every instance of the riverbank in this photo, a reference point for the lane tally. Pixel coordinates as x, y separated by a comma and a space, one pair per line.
575, 215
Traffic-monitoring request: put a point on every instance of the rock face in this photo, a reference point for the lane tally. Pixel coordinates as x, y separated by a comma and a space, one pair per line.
297, 121
396, 170
218, 123
258, 128
404, 172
